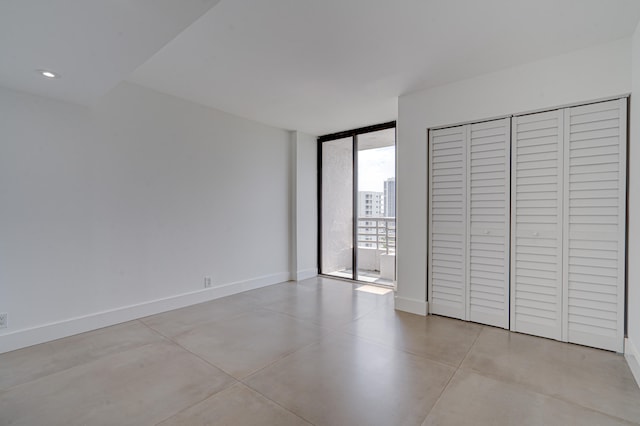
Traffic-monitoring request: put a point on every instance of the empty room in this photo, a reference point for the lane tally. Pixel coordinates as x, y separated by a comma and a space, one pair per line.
296, 212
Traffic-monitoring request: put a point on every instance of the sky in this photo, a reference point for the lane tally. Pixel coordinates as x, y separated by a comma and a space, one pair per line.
374, 167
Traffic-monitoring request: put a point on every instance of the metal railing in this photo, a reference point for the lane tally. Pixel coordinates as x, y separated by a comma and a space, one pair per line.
378, 232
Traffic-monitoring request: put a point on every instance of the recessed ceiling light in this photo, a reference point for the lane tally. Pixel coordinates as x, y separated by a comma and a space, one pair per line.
47, 74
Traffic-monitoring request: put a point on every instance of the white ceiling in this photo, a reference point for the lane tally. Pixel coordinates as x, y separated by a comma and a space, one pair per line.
92, 44
331, 65
318, 66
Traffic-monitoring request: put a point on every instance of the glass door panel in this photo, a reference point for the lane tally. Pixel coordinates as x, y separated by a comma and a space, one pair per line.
376, 206
337, 255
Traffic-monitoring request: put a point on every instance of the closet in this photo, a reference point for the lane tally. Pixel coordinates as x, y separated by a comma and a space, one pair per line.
568, 224
527, 223
594, 243
447, 219
536, 221
469, 222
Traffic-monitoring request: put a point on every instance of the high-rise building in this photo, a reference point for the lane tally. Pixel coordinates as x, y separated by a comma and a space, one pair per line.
369, 205
390, 197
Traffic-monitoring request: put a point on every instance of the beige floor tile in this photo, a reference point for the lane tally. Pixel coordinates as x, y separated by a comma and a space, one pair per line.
320, 350
141, 386
277, 292
438, 338
246, 343
236, 406
472, 399
589, 377
330, 308
344, 380
328, 284
178, 321
37, 361
383, 295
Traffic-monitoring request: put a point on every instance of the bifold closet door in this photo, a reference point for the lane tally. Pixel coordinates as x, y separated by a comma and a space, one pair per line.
594, 224
447, 222
488, 230
469, 222
536, 224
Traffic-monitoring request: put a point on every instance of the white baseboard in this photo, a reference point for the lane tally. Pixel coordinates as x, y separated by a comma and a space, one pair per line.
413, 306
56, 330
632, 355
305, 274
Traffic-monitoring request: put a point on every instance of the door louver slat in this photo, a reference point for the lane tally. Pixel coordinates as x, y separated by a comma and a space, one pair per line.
488, 231
536, 216
447, 218
594, 222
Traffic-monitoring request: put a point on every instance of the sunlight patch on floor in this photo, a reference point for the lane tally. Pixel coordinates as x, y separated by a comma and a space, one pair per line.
373, 289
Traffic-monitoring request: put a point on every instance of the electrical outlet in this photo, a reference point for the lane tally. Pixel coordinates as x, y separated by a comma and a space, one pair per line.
3, 320
207, 282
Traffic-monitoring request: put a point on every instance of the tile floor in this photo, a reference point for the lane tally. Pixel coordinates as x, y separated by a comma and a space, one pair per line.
320, 352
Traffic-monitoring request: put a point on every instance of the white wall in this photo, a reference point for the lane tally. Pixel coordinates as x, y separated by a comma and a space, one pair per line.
580, 76
305, 206
120, 210
633, 301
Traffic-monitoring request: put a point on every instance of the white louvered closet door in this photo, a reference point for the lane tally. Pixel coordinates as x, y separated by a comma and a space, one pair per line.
488, 231
447, 222
536, 220
594, 222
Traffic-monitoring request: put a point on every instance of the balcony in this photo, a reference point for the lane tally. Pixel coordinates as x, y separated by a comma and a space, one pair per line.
376, 251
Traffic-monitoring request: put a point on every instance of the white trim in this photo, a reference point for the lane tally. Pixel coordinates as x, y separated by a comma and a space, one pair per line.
305, 274
293, 203
574, 104
533, 111
622, 223
464, 123
56, 330
632, 355
413, 306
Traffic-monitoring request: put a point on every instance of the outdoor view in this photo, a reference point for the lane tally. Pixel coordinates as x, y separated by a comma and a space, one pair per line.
375, 208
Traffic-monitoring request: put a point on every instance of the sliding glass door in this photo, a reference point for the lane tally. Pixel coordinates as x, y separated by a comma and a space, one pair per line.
357, 204
376, 206
337, 208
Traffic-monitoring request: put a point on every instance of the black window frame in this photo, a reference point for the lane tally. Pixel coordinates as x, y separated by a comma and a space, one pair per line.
353, 134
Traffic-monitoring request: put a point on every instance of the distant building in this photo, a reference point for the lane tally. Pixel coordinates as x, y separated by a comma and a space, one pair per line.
390, 197
369, 205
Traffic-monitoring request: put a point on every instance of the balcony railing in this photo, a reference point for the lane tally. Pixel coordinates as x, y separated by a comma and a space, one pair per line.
378, 233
